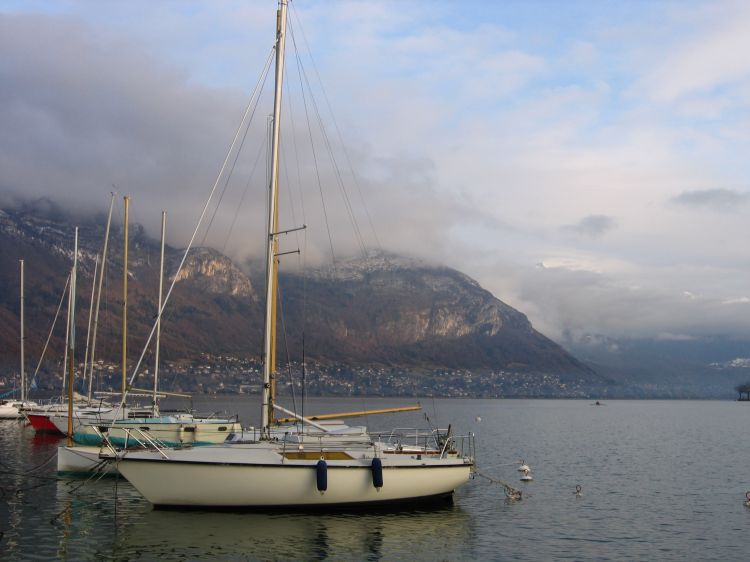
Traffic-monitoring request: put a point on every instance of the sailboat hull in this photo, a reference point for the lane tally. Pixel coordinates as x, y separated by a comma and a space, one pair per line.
121, 433
170, 434
82, 461
267, 482
42, 423
8, 411
13, 409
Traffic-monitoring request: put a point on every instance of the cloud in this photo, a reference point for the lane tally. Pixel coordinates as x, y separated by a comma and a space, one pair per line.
573, 305
592, 226
472, 140
714, 199
674, 337
97, 111
79, 113
706, 53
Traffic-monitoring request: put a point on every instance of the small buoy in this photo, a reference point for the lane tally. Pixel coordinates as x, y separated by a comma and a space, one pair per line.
526, 477
578, 492
478, 419
524, 467
747, 499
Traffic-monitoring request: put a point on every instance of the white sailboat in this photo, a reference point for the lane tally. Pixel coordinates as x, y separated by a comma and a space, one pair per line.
64, 418
11, 409
14, 408
88, 427
321, 465
173, 430
42, 418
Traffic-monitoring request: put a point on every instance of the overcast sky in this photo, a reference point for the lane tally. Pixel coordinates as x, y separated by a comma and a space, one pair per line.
585, 161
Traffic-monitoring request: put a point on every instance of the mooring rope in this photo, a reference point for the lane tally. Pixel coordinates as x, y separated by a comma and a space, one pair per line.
74, 486
7, 470
510, 492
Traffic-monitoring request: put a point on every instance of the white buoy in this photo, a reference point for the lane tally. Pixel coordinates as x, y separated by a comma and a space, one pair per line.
526, 476
478, 419
524, 467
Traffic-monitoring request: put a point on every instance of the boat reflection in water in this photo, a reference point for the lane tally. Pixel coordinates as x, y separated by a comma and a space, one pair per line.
442, 533
108, 519
43, 441
85, 519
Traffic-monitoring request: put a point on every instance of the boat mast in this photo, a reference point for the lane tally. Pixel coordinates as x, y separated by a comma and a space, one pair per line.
23, 374
99, 293
126, 201
159, 311
88, 327
72, 339
63, 391
269, 347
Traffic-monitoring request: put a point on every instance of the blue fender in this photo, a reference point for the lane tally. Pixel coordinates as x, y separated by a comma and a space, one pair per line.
321, 473
377, 473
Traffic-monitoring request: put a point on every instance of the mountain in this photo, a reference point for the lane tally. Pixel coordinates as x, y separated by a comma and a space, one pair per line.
383, 310
387, 308
700, 367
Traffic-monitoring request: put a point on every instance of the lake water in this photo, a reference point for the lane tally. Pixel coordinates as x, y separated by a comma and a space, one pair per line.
661, 480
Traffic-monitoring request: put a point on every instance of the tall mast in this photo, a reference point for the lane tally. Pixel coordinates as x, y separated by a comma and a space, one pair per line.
72, 339
269, 347
158, 317
126, 201
23, 373
67, 340
99, 293
88, 328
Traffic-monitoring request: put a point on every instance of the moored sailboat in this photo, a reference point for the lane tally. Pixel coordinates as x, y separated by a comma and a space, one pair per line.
90, 428
320, 465
14, 408
42, 417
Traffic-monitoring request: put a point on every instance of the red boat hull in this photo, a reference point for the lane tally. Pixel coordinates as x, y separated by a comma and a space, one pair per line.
42, 423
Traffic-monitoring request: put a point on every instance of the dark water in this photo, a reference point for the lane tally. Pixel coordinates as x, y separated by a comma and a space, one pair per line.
660, 481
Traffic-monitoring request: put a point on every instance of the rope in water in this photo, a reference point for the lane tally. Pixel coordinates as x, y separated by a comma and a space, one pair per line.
510, 492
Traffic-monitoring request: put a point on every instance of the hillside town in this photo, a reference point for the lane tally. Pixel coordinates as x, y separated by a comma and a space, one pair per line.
227, 374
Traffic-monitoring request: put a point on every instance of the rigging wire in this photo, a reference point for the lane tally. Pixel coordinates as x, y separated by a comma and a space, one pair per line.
254, 104
342, 144
296, 152
315, 157
195, 232
337, 171
260, 85
288, 178
49, 336
288, 356
301, 261
242, 198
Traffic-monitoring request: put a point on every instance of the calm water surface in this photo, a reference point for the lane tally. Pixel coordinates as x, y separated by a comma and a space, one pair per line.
660, 481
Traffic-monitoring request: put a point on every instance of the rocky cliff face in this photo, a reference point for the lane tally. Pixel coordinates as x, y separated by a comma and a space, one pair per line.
434, 301
414, 303
213, 272
388, 308
382, 309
